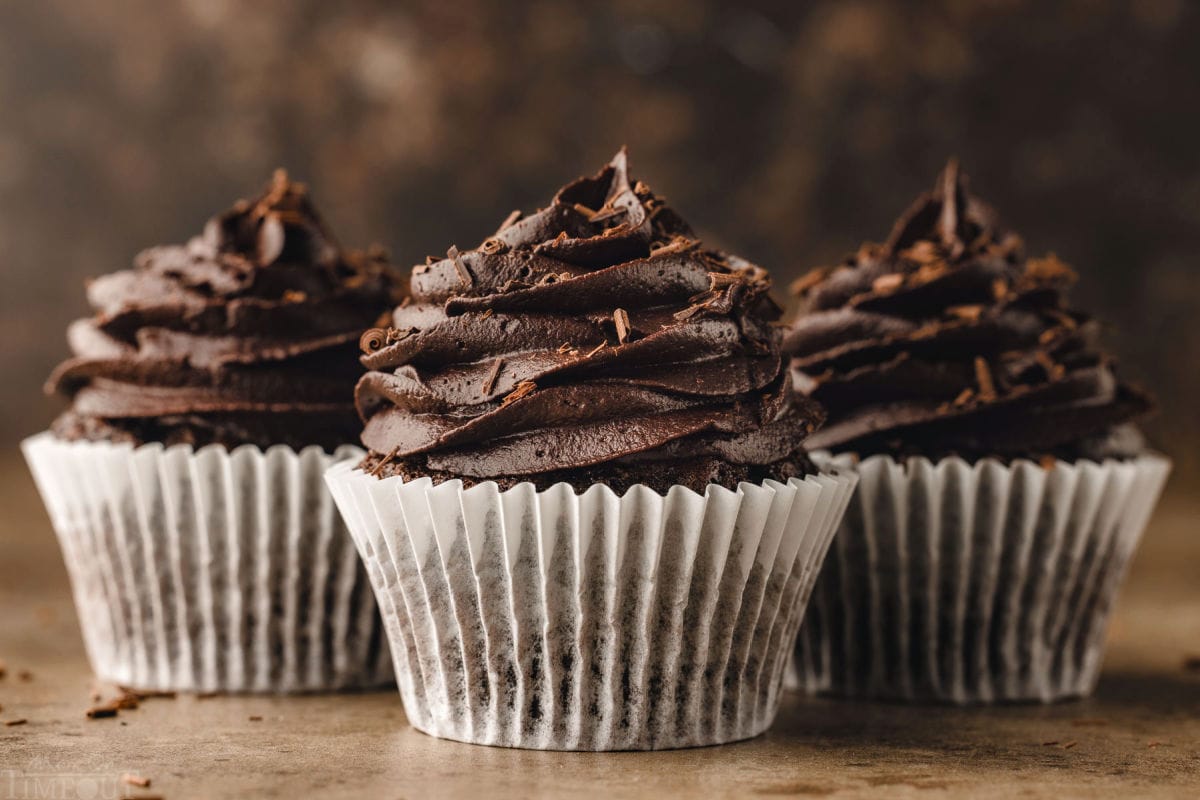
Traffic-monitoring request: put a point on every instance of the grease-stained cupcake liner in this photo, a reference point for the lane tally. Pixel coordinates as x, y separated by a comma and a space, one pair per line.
211, 570
564, 621
962, 583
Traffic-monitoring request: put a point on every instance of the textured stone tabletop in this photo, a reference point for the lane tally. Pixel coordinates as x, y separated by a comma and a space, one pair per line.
1140, 736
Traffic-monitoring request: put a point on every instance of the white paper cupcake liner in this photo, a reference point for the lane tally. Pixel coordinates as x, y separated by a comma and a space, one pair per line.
211, 570
974, 583
552, 620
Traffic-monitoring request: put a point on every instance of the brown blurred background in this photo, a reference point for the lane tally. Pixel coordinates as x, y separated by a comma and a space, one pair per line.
786, 132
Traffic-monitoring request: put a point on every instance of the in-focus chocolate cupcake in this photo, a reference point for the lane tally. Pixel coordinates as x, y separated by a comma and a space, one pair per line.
1003, 485
210, 391
584, 446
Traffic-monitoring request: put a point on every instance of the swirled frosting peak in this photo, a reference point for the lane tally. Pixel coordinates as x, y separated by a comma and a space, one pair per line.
244, 334
596, 340
946, 338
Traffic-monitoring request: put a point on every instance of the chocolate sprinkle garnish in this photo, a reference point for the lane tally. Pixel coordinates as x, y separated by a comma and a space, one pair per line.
808, 280
621, 320
983, 374
464, 274
493, 246
102, 712
14, 722
372, 340
887, 283
135, 780
510, 220
383, 462
492, 377
523, 389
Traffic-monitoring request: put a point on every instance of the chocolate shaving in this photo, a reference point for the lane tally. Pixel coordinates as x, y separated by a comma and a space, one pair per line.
493, 246
464, 274
607, 213
1048, 270
808, 280
135, 780
14, 722
565, 347
621, 320
487, 312
510, 220
102, 712
678, 244
987, 387
1053, 371
372, 340
596, 349
523, 388
255, 718
885, 284
375, 470
969, 313
964, 397
493, 376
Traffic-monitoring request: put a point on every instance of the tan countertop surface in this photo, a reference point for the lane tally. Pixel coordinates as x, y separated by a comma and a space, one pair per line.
1140, 735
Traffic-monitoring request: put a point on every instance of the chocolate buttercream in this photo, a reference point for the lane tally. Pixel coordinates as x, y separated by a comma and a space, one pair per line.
596, 340
245, 334
947, 339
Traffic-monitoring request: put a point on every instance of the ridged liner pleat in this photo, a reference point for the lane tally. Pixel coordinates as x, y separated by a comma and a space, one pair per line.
211, 570
560, 621
974, 583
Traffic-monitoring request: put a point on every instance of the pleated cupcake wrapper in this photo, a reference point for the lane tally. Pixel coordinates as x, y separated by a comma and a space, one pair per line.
974, 583
590, 622
211, 570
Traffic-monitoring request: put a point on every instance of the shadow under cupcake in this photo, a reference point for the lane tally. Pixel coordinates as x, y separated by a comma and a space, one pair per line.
1002, 487
586, 512
209, 394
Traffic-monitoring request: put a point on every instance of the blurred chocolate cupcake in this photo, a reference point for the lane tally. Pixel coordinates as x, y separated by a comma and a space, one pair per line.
586, 470
1003, 487
210, 391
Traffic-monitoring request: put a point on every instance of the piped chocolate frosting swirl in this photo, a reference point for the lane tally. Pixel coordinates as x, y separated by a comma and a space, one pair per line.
246, 334
596, 340
947, 339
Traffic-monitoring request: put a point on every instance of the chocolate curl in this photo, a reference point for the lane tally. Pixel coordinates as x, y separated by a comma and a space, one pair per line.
372, 340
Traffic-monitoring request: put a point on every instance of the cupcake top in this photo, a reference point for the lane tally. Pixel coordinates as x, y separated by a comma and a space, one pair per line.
243, 335
596, 340
947, 339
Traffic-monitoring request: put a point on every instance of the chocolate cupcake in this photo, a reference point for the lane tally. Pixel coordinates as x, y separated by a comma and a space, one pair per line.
209, 393
586, 509
1003, 486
